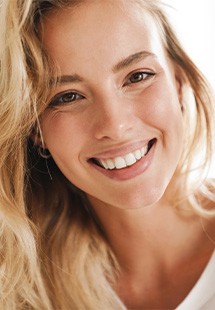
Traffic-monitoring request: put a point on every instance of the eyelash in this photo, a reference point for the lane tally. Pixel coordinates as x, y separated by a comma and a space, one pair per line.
141, 75
65, 98
68, 97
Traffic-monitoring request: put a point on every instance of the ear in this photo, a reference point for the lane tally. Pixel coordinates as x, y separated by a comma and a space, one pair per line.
181, 81
37, 138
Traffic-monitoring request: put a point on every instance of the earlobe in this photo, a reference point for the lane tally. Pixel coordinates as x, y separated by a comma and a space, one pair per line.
38, 141
37, 138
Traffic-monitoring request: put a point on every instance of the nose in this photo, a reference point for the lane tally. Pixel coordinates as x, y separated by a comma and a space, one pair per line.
113, 119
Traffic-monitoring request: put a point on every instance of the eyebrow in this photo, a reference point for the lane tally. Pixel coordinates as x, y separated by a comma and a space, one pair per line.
69, 79
128, 61
132, 59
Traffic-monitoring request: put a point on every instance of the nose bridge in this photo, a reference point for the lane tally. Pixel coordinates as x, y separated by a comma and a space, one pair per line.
113, 115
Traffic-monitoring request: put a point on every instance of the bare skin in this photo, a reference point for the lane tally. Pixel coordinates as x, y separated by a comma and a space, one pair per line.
161, 251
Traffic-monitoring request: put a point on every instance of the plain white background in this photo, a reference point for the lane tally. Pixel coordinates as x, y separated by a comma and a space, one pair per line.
194, 22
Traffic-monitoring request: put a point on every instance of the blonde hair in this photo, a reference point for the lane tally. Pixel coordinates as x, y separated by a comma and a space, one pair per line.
53, 251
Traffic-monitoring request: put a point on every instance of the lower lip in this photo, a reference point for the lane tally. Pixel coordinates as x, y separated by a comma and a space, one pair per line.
130, 172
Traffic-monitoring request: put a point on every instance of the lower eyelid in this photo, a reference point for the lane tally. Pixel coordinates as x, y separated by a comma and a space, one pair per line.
57, 99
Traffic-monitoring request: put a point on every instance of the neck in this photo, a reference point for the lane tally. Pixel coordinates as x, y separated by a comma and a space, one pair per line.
159, 234
155, 246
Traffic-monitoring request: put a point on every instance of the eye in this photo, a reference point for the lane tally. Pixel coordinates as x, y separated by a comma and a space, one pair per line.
65, 98
138, 77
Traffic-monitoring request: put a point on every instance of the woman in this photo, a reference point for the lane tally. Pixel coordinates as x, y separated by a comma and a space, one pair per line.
102, 118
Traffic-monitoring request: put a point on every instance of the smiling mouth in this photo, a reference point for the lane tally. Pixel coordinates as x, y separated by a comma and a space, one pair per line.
125, 161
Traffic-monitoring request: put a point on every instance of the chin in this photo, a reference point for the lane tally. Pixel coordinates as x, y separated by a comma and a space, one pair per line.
140, 199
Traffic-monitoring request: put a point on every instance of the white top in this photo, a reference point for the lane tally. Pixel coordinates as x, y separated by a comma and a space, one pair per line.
202, 295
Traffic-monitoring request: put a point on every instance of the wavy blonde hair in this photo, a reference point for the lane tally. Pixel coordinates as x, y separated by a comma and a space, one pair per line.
53, 251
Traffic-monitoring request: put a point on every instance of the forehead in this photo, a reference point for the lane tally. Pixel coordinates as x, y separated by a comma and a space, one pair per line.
96, 29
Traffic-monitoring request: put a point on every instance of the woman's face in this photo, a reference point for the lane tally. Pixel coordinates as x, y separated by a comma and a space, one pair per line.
113, 124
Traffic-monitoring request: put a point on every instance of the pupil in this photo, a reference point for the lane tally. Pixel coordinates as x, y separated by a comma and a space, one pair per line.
136, 77
68, 97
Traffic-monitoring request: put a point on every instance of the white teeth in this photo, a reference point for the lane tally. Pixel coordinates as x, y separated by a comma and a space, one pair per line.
137, 154
110, 164
104, 164
130, 159
144, 150
120, 163
124, 161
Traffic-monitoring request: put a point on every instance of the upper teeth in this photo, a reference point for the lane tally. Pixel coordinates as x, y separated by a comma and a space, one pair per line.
124, 161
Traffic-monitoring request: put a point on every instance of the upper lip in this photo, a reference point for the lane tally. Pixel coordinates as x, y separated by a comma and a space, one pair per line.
120, 150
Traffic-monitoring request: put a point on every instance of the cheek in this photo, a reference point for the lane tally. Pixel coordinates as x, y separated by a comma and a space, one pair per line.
60, 131
160, 108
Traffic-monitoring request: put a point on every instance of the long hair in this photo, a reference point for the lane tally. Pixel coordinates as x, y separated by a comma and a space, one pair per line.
53, 250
